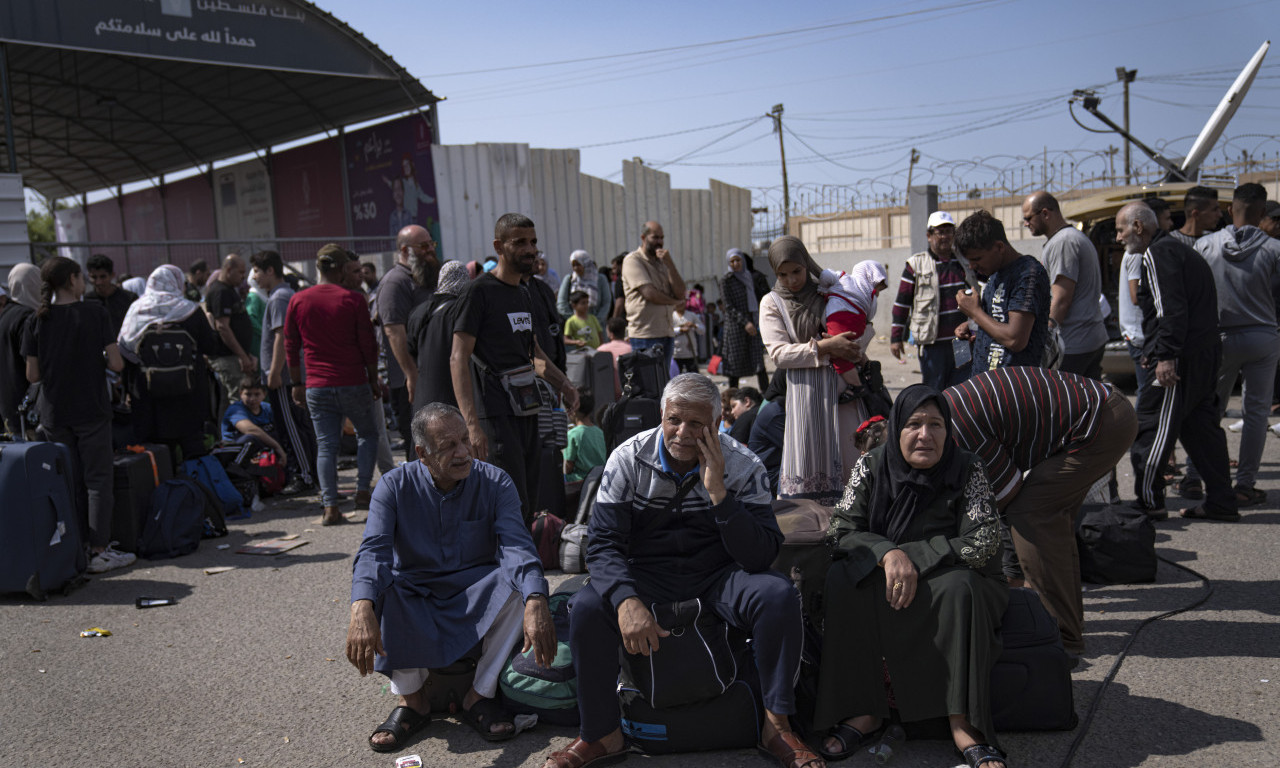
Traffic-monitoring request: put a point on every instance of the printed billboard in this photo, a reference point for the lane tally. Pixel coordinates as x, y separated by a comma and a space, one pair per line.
390, 180
306, 183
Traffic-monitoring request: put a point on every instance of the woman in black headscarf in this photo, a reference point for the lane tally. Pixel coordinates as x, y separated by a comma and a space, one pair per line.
915, 589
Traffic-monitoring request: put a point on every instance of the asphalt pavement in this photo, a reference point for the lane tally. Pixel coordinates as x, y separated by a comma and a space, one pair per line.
248, 667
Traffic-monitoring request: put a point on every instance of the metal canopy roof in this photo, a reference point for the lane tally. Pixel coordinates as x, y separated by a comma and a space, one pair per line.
100, 102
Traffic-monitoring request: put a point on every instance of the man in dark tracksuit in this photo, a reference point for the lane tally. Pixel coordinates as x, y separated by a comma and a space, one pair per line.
683, 512
1180, 321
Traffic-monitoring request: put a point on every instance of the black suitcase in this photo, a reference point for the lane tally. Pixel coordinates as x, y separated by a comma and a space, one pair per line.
41, 548
136, 477
602, 379
1031, 681
551, 487
644, 373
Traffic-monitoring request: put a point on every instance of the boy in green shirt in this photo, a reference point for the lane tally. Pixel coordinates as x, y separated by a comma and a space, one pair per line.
586, 441
583, 329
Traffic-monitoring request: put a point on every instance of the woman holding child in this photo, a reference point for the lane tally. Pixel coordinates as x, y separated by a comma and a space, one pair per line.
915, 590
818, 448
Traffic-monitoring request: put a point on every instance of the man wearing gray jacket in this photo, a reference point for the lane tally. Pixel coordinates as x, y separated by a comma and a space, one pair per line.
1244, 260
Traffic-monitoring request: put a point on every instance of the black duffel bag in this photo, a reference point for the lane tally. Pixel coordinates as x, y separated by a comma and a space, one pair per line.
694, 663
1117, 545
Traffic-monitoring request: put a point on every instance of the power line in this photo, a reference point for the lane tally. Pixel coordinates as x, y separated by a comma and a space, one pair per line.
728, 41
665, 135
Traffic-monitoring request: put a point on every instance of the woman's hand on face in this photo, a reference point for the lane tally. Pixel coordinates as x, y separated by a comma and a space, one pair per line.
899, 579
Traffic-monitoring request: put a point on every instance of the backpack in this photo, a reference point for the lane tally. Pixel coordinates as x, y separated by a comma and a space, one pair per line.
167, 359
628, 417
546, 530
270, 472
573, 537
644, 372
176, 522
208, 471
551, 693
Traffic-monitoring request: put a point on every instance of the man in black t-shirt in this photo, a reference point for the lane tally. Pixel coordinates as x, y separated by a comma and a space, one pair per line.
231, 360
495, 324
102, 274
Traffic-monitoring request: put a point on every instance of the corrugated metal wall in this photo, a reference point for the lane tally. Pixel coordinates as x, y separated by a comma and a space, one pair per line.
557, 204
604, 221
478, 183
475, 185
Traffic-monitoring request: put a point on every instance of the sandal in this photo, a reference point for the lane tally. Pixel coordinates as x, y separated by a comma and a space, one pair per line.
485, 714
1248, 497
580, 754
402, 723
790, 752
979, 754
850, 738
1190, 488
1203, 513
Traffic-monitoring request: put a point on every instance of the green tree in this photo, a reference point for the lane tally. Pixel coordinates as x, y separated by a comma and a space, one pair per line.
40, 227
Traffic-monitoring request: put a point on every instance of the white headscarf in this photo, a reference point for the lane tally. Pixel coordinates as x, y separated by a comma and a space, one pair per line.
866, 276
24, 285
162, 302
137, 285
589, 281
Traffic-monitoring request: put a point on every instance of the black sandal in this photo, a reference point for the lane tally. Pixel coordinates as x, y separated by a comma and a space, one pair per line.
485, 714
980, 754
402, 723
851, 740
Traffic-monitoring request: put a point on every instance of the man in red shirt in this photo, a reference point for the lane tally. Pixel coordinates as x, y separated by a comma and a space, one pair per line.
329, 327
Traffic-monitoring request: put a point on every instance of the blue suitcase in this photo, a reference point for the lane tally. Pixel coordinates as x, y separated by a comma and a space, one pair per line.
40, 540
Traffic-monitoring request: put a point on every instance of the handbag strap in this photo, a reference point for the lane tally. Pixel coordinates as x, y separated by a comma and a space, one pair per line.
682, 490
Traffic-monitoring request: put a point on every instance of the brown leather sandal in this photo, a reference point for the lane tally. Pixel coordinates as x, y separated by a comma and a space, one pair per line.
580, 754
791, 752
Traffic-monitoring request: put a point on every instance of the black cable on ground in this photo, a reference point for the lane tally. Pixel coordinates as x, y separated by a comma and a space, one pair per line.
1115, 667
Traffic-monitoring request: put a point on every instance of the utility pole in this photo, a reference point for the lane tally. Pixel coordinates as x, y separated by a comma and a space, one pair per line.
911, 166
1126, 76
776, 114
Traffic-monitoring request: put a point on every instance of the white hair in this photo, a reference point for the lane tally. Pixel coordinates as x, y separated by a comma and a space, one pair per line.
693, 389
1140, 211
426, 414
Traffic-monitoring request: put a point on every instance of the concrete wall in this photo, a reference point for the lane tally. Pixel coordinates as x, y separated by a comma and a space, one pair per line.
13, 224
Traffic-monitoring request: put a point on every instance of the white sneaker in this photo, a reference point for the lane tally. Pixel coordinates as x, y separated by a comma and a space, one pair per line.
257, 505
1275, 429
110, 559
1236, 426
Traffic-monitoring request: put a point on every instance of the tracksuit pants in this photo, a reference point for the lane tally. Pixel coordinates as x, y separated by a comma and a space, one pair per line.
294, 424
765, 605
1188, 410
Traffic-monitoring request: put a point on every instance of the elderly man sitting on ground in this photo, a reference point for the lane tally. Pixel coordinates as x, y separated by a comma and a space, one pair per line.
650, 544
445, 563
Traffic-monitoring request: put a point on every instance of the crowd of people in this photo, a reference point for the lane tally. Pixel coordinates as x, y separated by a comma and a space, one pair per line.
974, 488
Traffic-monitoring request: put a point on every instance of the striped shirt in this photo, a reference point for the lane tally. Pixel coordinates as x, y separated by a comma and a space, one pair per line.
1014, 418
950, 278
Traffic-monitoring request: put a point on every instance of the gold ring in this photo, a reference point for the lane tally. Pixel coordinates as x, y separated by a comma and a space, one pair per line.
897, 585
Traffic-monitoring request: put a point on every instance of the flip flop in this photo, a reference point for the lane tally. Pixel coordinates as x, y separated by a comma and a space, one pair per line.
851, 740
981, 754
1201, 513
485, 714
402, 723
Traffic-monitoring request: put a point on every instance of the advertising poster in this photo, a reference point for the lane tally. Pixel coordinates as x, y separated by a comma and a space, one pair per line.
242, 202
390, 179
307, 184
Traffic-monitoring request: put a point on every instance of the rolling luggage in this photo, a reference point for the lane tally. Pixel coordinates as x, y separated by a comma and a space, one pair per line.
644, 373
602, 379
1031, 681
137, 475
804, 556
40, 540
629, 417
573, 536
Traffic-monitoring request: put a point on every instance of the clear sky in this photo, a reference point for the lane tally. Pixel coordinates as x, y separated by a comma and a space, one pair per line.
978, 86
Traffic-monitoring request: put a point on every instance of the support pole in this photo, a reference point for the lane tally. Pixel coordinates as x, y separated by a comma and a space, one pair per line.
7, 87
1127, 76
776, 114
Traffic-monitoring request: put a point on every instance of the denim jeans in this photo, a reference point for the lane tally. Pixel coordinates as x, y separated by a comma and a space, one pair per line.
328, 406
938, 366
667, 343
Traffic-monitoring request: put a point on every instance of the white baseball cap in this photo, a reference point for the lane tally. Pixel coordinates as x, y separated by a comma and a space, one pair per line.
938, 218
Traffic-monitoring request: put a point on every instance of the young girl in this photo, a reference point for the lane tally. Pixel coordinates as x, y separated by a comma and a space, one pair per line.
69, 345
851, 305
585, 449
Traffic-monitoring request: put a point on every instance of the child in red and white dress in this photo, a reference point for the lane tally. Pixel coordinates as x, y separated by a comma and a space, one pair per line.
851, 305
